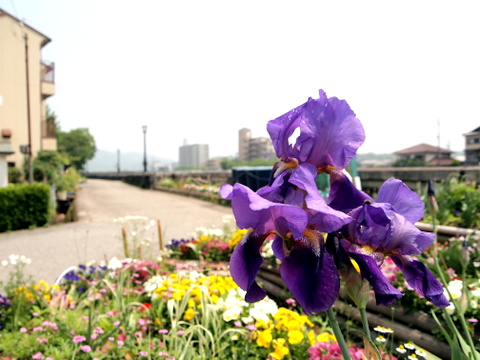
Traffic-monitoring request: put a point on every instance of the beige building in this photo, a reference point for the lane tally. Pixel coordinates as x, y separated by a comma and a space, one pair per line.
472, 147
250, 149
25, 84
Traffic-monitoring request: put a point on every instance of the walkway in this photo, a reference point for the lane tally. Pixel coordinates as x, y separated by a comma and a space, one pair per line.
95, 236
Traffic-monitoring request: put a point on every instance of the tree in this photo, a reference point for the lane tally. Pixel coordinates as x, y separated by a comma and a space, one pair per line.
78, 145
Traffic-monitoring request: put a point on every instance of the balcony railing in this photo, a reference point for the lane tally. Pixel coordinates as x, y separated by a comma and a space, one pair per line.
49, 130
48, 72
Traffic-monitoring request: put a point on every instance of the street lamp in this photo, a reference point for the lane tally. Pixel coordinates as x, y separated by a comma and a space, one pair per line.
144, 127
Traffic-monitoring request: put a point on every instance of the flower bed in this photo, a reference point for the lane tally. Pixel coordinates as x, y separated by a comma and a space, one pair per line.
134, 309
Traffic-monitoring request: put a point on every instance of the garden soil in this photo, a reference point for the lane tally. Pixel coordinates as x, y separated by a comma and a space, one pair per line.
95, 236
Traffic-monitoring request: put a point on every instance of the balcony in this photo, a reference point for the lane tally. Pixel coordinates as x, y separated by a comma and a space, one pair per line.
49, 139
48, 79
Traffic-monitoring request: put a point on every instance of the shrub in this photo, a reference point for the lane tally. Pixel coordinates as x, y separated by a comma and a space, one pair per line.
68, 180
14, 175
458, 203
24, 206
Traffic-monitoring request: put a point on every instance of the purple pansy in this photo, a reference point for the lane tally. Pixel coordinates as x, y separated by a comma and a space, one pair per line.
330, 134
386, 228
292, 209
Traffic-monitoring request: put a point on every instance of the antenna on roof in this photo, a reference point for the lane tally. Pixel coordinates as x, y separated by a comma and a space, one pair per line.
438, 141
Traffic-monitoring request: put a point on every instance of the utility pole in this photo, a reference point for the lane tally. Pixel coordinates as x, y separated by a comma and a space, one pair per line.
118, 161
30, 155
144, 127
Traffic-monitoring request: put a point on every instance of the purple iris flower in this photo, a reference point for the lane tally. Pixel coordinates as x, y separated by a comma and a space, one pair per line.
386, 228
292, 209
330, 134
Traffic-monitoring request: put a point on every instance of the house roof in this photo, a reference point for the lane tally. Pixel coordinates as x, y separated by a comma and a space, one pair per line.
46, 38
422, 149
477, 130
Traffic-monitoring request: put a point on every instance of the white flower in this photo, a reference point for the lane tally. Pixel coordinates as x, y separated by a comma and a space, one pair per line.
114, 264
232, 313
153, 283
258, 314
5, 262
381, 339
455, 288
421, 353
13, 259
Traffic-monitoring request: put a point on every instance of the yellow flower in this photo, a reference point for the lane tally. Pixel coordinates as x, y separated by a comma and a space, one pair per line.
189, 314
237, 236
264, 338
295, 337
280, 350
326, 336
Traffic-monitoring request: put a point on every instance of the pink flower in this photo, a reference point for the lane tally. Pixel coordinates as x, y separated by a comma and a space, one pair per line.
291, 302
120, 343
116, 323
111, 338
93, 336
23, 330
38, 355
472, 320
237, 323
37, 328
86, 348
42, 340
143, 353
78, 339
163, 331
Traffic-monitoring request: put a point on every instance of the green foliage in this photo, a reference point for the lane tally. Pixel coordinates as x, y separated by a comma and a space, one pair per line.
168, 182
14, 175
24, 206
78, 145
458, 203
68, 180
47, 166
408, 163
231, 163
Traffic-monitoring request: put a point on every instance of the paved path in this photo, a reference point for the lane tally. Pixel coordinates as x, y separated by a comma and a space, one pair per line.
95, 236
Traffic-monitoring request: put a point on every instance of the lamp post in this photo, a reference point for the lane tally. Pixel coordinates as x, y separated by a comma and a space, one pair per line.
144, 127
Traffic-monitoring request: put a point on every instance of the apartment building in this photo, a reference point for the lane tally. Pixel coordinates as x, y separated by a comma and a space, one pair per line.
472, 147
250, 149
193, 156
26, 82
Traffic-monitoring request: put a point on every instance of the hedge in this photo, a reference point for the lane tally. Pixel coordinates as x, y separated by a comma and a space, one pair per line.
24, 206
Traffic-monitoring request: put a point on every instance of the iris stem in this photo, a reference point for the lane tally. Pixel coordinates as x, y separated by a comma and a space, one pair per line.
332, 319
366, 327
461, 317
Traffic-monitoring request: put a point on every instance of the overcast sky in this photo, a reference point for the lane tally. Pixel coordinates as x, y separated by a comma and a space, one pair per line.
201, 70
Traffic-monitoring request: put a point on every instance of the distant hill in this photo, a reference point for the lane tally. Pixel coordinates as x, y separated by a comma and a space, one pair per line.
106, 161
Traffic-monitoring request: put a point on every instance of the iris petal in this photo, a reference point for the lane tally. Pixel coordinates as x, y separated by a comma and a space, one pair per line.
405, 201
422, 280
312, 279
244, 265
330, 134
385, 293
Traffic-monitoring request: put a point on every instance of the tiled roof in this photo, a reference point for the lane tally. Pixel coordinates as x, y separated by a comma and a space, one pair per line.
422, 148
441, 161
